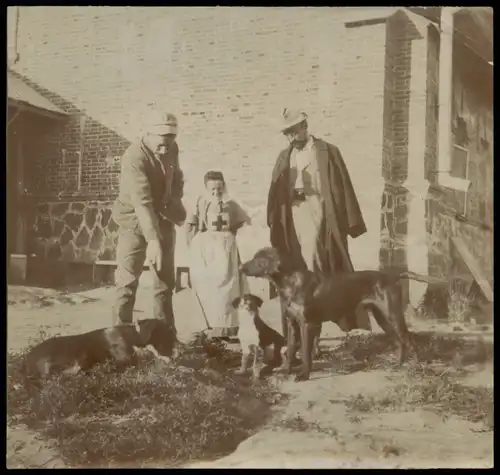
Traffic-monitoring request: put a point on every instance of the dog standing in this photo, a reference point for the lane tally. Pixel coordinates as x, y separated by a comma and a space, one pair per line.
255, 335
74, 353
311, 299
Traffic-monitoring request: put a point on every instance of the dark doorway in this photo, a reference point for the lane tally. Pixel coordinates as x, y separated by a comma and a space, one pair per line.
12, 185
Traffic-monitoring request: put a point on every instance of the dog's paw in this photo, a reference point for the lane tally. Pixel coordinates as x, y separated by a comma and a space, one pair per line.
301, 377
297, 363
317, 355
165, 359
266, 371
257, 377
291, 367
176, 352
288, 369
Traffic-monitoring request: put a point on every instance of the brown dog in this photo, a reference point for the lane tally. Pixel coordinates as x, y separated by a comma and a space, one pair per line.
255, 335
73, 353
311, 299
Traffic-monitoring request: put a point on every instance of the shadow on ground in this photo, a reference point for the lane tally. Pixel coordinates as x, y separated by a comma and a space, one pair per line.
39, 297
376, 351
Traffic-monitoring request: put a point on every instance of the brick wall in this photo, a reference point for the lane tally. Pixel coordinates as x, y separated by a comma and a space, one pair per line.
226, 72
54, 148
432, 104
396, 122
403, 233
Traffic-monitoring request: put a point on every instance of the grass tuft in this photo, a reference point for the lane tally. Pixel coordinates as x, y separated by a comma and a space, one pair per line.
434, 384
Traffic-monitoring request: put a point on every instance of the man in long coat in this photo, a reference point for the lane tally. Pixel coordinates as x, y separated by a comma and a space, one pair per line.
312, 207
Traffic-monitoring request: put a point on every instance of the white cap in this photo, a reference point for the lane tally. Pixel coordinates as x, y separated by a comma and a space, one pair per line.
161, 123
291, 117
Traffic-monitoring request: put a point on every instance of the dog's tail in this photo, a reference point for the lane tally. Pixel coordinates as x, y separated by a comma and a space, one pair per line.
421, 278
30, 379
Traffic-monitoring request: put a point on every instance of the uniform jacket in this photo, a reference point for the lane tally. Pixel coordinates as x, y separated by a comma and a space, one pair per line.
151, 190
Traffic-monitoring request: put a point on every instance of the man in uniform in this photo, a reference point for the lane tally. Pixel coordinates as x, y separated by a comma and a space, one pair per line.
147, 209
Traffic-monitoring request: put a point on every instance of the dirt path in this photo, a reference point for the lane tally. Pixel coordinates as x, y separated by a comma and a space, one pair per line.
26, 450
320, 432
314, 429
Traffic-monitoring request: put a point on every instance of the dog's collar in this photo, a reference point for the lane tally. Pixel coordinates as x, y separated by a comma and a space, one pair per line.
274, 280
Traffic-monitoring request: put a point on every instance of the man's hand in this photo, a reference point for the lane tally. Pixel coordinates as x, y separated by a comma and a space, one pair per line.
154, 254
175, 212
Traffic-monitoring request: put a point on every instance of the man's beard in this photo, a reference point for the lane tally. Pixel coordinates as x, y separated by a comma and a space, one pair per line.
299, 144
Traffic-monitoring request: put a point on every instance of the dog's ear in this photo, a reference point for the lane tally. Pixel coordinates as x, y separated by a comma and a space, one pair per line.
146, 329
257, 300
272, 259
236, 302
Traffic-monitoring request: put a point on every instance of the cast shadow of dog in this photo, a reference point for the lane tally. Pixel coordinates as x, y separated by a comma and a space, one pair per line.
375, 351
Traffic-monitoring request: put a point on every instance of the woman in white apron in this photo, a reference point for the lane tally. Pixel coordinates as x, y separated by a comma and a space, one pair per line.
214, 257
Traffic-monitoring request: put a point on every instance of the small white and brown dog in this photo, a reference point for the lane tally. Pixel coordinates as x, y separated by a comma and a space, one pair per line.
255, 335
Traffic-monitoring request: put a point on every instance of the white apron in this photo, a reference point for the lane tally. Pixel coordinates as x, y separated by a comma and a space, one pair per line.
214, 264
308, 214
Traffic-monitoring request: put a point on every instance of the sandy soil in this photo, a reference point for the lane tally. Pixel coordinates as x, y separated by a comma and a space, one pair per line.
327, 435
337, 439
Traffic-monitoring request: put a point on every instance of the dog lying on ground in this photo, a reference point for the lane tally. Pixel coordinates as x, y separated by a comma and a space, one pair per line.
255, 335
311, 299
74, 353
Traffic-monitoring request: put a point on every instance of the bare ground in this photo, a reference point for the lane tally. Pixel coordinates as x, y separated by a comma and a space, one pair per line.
319, 426
317, 430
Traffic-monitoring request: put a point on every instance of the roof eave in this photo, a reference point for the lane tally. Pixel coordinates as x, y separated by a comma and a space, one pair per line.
24, 106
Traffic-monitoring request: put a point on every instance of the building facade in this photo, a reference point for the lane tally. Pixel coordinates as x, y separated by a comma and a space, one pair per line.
367, 77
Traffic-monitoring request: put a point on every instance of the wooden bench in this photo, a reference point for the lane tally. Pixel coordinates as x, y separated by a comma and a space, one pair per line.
102, 266
99, 269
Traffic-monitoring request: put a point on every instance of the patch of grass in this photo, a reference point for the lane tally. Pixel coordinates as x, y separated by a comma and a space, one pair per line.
458, 302
354, 419
377, 351
434, 383
299, 424
435, 389
362, 403
192, 410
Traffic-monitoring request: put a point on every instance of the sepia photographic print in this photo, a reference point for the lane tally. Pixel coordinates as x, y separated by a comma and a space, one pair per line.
249, 237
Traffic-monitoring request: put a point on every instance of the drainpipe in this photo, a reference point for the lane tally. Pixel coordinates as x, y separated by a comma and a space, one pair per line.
445, 103
15, 59
83, 121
